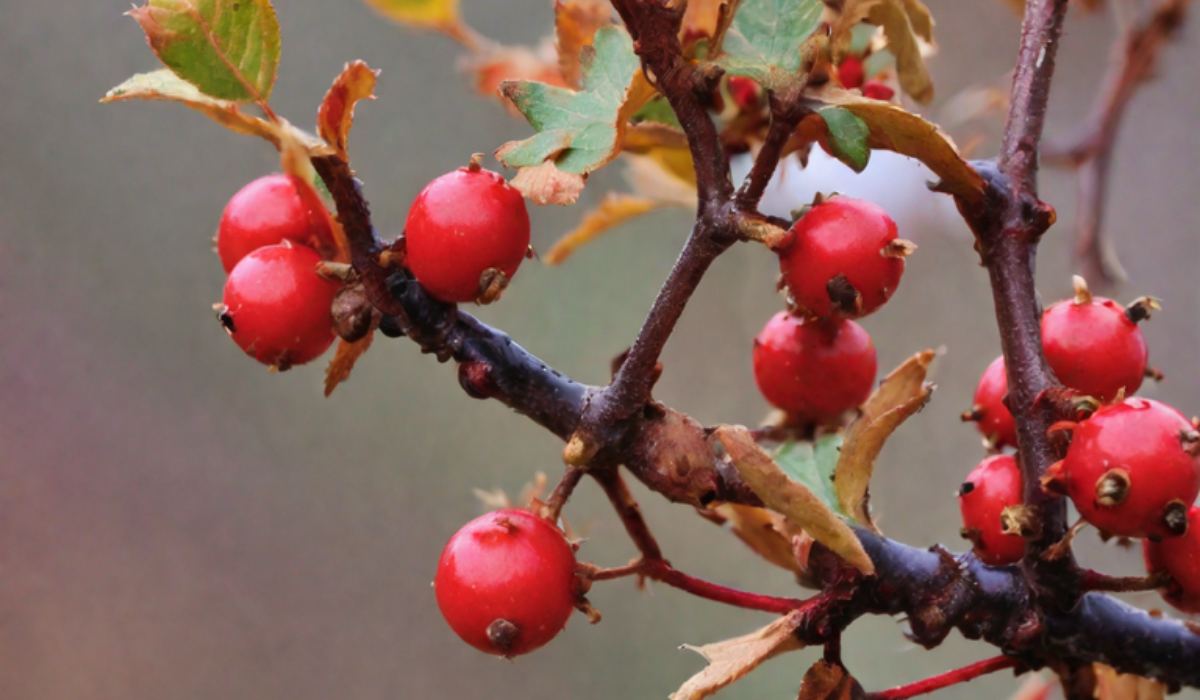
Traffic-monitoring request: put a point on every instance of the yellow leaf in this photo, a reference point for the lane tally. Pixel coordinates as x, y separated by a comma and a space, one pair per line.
764, 531
664, 174
613, 211
546, 184
336, 115
343, 361
902, 393
1111, 685
734, 658
791, 498
575, 25
892, 128
422, 14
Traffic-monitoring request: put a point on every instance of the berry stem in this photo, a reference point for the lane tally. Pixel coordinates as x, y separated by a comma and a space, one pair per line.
660, 570
945, 680
1095, 581
562, 492
630, 514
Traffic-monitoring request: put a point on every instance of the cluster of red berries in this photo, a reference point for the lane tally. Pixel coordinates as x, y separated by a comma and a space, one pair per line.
852, 75
506, 582
840, 261
1132, 468
276, 306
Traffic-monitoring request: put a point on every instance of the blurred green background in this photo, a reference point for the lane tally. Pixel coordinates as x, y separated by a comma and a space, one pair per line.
176, 522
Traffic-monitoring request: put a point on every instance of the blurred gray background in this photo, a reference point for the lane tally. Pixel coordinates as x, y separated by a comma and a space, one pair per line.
176, 522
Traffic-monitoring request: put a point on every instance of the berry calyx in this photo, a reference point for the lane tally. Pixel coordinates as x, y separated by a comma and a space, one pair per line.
990, 415
466, 235
1131, 469
842, 258
277, 308
850, 73
877, 90
1179, 557
505, 582
991, 487
1092, 346
814, 369
268, 211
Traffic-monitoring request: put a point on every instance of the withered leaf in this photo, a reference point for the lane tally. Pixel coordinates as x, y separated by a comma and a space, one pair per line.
575, 25
546, 184
765, 532
166, 86
902, 393
732, 659
614, 210
826, 681
1111, 685
336, 114
343, 361
791, 498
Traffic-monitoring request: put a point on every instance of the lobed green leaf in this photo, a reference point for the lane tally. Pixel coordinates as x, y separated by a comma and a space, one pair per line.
767, 40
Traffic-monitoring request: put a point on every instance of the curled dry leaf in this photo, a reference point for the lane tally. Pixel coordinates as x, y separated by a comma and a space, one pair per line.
902, 393
614, 210
546, 184
826, 681
343, 361
892, 128
906, 24
766, 532
1111, 685
575, 25
732, 659
336, 114
791, 498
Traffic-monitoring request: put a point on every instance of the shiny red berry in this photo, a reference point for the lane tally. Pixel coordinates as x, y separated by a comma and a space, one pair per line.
745, 93
850, 72
506, 582
1131, 469
270, 210
842, 258
1093, 346
1180, 557
276, 306
464, 228
990, 488
814, 369
989, 413
877, 90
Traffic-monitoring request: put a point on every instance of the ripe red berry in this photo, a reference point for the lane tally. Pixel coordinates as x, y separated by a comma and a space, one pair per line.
745, 93
1130, 469
876, 90
1180, 557
850, 72
462, 225
989, 413
506, 582
276, 306
1092, 346
814, 369
842, 258
990, 488
270, 210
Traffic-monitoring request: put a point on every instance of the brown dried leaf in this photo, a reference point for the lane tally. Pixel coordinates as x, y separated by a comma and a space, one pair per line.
343, 361
575, 25
546, 184
700, 18
1111, 685
764, 531
614, 210
648, 136
336, 115
791, 498
663, 174
732, 659
826, 681
892, 128
901, 394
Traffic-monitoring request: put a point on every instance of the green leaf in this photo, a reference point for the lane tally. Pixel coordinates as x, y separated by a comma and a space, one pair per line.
767, 40
847, 137
812, 464
580, 130
658, 111
229, 49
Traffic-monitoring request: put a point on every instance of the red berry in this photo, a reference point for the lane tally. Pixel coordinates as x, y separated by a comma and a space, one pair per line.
843, 251
991, 416
270, 210
815, 369
463, 224
876, 90
1130, 470
277, 308
506, 582
990, 488
1180, 557
1092, 346
850, 72
745, 93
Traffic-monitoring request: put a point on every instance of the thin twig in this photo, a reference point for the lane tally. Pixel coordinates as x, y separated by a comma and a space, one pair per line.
630, 513
945, 680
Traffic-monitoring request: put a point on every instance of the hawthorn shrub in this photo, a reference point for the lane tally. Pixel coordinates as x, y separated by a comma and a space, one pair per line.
676, 89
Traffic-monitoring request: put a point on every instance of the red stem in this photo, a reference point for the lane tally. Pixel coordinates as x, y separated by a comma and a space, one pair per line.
945, 680
660, 570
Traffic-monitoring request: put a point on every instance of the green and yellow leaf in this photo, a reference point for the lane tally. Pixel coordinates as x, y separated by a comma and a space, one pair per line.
166, 86
229, 49
812, 464
421, 14
614, 210
848, 137
732, 659
575, 25
336, 114
772, 42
